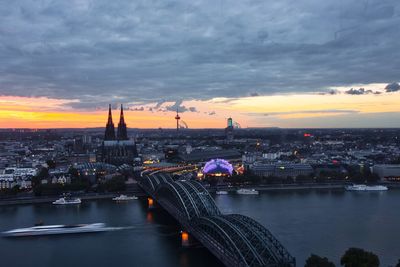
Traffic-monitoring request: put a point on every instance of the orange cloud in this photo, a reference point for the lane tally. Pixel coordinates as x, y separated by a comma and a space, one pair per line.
25, 112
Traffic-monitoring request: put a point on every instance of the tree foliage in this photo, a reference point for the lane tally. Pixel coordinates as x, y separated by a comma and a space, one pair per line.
369, 176
10, 191
361, 175
51, 164
317, 261
115, 184
356, 257
325, 175
43, 173
57, 189
73, 172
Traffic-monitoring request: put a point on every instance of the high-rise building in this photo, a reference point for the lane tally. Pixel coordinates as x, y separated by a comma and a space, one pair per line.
229, 122
229, 129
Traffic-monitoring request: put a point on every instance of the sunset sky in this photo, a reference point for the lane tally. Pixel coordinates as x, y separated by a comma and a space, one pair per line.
305, 63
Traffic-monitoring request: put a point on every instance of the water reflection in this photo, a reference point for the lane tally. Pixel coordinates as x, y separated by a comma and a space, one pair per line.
149, 217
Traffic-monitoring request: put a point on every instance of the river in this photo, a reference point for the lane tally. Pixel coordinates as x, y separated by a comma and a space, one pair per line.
324, 222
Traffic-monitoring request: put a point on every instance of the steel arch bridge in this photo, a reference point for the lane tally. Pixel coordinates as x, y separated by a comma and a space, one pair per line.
236, 240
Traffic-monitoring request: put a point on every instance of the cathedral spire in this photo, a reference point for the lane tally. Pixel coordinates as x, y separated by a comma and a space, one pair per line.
122, 131
109, 114
121, 118
110, 131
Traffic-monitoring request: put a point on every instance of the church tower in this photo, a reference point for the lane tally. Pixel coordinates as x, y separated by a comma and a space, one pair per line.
122, 132
118, 150
110, 131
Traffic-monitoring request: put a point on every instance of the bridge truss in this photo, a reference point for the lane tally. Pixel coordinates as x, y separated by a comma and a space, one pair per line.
236, 240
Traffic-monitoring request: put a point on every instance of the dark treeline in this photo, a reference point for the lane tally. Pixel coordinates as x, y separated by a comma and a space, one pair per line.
353, 257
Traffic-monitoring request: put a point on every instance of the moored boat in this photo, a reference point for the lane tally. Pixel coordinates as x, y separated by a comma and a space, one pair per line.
363, 187
244, 191
67, 200
57, 229
124, 198
221, 192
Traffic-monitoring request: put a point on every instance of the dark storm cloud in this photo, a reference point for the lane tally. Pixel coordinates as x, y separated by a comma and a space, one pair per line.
159, 104
178, 107
124, 51
393, 87
361, 91
330, 92
254, 94
333, 92
137, 109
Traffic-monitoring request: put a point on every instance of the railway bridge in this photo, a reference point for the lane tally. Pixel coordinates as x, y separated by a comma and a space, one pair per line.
236, 240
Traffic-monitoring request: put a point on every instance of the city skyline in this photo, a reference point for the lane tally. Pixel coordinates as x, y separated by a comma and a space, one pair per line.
266, 64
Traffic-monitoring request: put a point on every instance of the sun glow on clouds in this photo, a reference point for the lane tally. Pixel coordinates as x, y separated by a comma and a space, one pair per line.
290, 110
36, 103
26, 112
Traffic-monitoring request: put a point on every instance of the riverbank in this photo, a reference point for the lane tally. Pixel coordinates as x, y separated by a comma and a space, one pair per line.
50, 199
278, 187
285, 187
232, 189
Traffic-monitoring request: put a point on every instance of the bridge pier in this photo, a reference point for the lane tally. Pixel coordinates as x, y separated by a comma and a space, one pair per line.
150, 203
185, 239
188, 240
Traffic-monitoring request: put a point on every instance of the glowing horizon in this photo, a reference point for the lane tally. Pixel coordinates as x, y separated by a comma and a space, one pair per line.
284, 110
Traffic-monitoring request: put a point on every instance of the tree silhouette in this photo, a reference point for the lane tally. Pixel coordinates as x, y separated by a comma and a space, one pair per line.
356, 257
317, 261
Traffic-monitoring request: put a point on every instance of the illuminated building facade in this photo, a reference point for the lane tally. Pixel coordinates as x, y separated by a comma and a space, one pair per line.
390, 172
218, 167
281, 170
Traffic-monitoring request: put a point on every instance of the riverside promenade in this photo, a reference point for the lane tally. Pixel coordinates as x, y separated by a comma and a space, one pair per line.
16, 200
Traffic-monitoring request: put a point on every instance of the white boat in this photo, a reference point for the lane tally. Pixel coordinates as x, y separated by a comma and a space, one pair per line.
243, 191
363, 187
221, 192
124, 198
67, 201
57, 230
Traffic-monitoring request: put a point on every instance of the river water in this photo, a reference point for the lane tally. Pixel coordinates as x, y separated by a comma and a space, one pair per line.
322, 222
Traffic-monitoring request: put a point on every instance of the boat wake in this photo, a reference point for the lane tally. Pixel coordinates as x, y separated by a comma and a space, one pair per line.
45, 230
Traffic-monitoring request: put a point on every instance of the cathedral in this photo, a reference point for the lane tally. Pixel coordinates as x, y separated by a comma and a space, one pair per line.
117, 149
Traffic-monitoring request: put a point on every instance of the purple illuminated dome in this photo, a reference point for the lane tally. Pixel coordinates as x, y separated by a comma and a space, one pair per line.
218, 166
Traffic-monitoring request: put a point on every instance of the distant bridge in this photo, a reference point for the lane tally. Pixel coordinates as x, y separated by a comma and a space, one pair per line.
234, 239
